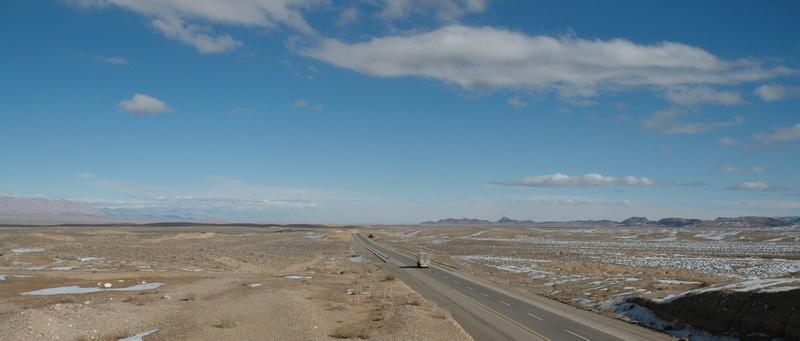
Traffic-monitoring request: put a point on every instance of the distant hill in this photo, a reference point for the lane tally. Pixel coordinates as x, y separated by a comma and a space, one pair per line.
749, 221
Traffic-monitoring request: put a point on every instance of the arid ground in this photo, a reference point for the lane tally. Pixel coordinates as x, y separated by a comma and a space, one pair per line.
204, 284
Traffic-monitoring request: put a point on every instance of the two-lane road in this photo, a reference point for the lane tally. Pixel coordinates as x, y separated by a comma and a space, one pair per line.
490, 313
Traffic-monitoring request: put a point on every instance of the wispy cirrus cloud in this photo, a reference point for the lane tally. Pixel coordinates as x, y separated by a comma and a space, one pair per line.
445, 10
114, 60
671, 122
782, 134
776, 92
188, 21
734, 169
693, 96
753, 186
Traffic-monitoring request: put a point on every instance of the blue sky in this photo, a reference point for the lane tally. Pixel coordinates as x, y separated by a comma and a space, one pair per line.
395, 111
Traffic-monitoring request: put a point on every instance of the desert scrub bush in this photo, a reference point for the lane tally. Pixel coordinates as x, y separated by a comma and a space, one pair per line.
225, 323
389, 277
351, 331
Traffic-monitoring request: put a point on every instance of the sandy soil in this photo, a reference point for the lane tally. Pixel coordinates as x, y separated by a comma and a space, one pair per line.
221, 283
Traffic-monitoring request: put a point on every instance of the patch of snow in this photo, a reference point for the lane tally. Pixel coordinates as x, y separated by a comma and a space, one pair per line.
28, 250
407, 234
675, 281
140, 336
297, 277
89, 259
79, 290
358, 259
3, 277
645, 317
62, 268
758, 285
254, 285
717, 235
193, 270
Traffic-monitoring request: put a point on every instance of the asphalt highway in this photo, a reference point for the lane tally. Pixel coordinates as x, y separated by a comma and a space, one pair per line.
490, 313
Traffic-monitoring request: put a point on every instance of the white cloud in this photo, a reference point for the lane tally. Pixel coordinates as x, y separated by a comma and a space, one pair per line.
197, 36
587, 180
445, 10
692, 96
770, 92
727, 141
787, 134
488, 57
776, 92
141, 104
733, 169
175, 18
348, 16
116, 60
305, 104
516, 102
753, 186
668, 122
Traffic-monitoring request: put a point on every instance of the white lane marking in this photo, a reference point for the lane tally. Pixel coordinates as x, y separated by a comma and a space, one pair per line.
469, 287
536, 317
504, 303
484, 294
581, 337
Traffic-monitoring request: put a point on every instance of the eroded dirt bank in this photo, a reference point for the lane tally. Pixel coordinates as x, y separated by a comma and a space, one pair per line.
748, 315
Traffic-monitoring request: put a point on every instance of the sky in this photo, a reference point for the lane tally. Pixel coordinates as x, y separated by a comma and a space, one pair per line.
399, 111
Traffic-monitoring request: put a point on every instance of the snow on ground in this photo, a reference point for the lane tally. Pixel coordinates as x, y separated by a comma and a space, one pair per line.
737, 267
140, 336
297, 277
510, 264
3, 277
677, 282
758, 285
647, 318
717, 235
28, 250
89, 259
407, 234
721, 247
80, 290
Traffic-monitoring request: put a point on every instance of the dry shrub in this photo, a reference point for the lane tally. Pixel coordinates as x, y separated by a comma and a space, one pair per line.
440, 314
226, 323
390, 277
351, 331
413, 300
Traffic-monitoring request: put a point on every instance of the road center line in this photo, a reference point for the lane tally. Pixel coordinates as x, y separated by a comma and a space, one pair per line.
484, 294
536, 317
469, 287
583, 338
504, 303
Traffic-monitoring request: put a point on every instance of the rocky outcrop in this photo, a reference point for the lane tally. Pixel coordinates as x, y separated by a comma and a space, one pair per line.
748, 315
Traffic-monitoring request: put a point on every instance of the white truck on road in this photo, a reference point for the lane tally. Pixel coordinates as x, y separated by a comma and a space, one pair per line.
423, 259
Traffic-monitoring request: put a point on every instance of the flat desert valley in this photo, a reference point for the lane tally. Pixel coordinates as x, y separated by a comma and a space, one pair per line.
318, 283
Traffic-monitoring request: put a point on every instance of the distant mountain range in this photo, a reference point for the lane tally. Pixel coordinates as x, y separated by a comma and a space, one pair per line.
749, 221
37, 210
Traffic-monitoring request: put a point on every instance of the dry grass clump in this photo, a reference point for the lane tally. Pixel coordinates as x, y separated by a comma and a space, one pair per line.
389, 277
359, 330
225, 323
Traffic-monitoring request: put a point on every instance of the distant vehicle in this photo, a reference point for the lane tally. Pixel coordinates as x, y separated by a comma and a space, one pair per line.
371, 236
423, 259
